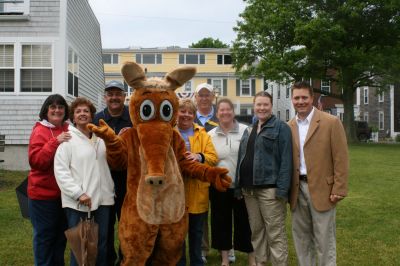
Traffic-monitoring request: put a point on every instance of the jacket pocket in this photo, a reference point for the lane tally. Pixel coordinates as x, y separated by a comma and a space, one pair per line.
269, 142
330, 180
270, 136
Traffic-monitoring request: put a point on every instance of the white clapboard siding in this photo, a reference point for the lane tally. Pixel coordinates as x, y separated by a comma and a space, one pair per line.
17, 118
44, 20
83, 35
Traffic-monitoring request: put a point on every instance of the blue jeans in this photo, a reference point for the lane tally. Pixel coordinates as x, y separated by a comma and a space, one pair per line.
195, 237
101, 217
49, 223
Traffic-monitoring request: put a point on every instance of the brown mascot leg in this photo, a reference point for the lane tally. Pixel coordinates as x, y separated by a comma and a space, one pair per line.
168, 249
137, 240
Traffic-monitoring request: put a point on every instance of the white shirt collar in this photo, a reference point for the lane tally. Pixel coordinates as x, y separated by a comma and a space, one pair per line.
46, 123
307, 119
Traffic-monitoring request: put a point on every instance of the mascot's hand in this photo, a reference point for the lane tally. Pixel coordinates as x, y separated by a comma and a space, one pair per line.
103, 131
219, 178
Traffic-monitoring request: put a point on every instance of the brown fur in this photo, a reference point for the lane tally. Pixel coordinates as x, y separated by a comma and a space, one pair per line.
153, 218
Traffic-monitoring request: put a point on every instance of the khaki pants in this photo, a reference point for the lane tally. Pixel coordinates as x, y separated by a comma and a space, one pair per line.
267, 221
314, 232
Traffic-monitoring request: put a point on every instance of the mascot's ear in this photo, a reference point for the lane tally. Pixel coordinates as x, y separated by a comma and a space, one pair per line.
179, 76
133, 74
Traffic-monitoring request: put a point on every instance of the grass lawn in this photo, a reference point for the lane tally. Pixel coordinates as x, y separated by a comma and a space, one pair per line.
368, 220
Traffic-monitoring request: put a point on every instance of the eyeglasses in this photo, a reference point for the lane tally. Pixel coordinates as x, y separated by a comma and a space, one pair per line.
56, 106
204, 95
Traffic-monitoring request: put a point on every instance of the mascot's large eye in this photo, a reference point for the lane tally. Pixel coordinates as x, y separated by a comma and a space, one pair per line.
147, 110
166, 110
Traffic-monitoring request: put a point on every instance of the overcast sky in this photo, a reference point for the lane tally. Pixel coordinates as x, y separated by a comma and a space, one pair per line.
161, 23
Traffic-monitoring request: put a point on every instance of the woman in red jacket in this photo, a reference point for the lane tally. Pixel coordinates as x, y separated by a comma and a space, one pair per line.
46, 213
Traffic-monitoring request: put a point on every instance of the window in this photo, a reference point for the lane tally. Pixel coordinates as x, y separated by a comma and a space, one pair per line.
14, 7
381, 121
366, 116
73, 73
224, 59
36, 68
245, 89
279, 92
194, 59
188, 86
265, 85
7, 68
341, 116
287, 115
279, 114
217, 85
381, 96
149, 58
325, 86
110, 59
287, 91
366, 95
128, 90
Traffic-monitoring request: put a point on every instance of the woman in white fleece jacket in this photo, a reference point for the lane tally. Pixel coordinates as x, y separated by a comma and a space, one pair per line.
82, 173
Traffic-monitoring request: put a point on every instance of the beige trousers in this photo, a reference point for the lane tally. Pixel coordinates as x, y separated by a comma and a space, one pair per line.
267, 222
314, 232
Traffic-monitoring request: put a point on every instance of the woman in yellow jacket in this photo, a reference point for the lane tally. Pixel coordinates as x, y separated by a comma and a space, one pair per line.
199, 147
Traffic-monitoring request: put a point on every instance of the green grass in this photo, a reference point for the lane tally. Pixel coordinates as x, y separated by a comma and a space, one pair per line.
368, 220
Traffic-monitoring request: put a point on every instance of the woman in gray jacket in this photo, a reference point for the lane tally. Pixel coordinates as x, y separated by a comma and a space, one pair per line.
264, 174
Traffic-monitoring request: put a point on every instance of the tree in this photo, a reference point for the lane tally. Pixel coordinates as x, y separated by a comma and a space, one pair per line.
209, 43
351, 42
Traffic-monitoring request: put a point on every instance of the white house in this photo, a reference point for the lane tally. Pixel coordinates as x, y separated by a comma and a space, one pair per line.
46, 47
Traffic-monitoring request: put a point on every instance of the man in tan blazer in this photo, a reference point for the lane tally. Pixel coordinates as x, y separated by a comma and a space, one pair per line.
320, 173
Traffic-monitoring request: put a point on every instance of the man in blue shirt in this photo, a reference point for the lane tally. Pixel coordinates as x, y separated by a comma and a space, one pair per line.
204, 97
205, 117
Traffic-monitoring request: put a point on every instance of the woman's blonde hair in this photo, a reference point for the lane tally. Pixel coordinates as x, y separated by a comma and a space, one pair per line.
187, 103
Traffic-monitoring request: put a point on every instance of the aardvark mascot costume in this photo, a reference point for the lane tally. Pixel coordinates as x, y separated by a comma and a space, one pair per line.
154, 218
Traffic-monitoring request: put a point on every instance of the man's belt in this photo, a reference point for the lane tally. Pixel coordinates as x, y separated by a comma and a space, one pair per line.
303, 178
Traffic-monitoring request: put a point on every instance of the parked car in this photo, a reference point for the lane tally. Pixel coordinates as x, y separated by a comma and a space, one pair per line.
363, 131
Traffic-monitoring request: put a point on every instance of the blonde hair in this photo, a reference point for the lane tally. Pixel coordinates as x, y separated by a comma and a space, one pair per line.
187, 103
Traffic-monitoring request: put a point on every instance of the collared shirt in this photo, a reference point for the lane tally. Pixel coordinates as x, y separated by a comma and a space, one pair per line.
303, 126
204, 118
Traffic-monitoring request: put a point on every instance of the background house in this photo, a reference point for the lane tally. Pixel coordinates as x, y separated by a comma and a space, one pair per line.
381, 109
214, 66
46, 47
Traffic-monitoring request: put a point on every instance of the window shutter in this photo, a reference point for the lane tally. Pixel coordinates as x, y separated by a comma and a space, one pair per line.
224, 87
238, 87
253, 87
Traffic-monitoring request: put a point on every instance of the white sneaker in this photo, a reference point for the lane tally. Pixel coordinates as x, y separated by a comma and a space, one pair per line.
231, 256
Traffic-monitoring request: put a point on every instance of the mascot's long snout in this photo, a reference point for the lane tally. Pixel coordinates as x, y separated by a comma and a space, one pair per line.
155, 139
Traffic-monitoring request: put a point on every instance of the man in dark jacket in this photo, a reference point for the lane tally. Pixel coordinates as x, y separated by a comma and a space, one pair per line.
116, 115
